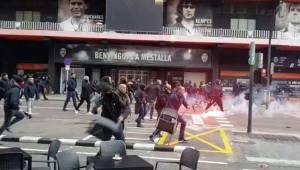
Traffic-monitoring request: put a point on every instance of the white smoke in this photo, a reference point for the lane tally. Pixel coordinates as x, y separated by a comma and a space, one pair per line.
239, 105
234, 105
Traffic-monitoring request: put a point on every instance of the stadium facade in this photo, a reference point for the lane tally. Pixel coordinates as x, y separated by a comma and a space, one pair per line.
195, 40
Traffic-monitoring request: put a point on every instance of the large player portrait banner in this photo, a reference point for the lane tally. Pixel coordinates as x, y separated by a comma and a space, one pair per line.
80, 15
189, 15
288, 19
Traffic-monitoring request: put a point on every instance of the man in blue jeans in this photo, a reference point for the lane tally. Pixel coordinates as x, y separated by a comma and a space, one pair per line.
140, 98
71, 92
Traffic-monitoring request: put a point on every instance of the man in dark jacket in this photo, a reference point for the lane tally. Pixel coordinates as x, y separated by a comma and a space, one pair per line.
71, 92
140, 98
11, 105
152, 92
160, 104
111, 108
125, 109
30, 92
4, 85
43, 87
176, 99
86, 92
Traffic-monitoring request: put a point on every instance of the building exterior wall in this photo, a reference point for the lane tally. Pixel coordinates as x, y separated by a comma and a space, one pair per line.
47, 8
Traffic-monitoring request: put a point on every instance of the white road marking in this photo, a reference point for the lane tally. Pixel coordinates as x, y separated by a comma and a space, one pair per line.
224, 121
142, 133
153, 118
240, 141
144, 157
226, 125
142, 123
221, 118
273, 161
140, 128
197, 119
194, 127
87, 137
139, 139
175, 159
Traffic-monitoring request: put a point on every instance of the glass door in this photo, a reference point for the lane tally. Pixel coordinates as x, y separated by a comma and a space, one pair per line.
135, 75
80, 73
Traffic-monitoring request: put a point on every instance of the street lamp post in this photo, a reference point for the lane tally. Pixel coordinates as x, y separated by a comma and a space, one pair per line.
251, 62
269, 67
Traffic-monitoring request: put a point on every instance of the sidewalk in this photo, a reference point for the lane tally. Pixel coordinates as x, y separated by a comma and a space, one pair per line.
268, 149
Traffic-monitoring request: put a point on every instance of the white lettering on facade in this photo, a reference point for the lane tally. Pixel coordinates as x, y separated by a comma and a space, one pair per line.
112, 55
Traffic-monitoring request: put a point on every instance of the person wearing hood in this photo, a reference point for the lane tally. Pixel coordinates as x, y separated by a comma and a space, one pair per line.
86, 92
71, 92
4, 84
140, 105
30, 92
125, 110
111, 108
11, 105
160, 105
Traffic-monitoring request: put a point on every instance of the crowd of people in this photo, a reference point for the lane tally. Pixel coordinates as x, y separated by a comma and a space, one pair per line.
112, 100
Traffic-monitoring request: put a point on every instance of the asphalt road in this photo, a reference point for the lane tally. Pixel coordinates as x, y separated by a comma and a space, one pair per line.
219, 137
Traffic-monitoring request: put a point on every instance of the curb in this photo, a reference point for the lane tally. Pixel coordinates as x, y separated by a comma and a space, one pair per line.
85, 143
269, 136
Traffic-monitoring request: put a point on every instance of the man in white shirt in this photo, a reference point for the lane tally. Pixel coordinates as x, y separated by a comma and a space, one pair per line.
78, 21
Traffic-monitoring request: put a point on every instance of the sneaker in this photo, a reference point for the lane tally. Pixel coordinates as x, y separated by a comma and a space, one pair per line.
64, 110
139, 125
28, 115
76, 112
182, 140
151, 138
90, 113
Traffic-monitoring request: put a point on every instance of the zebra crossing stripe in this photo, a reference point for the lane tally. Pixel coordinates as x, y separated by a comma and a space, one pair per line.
226, 125
224, 121
86, 143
